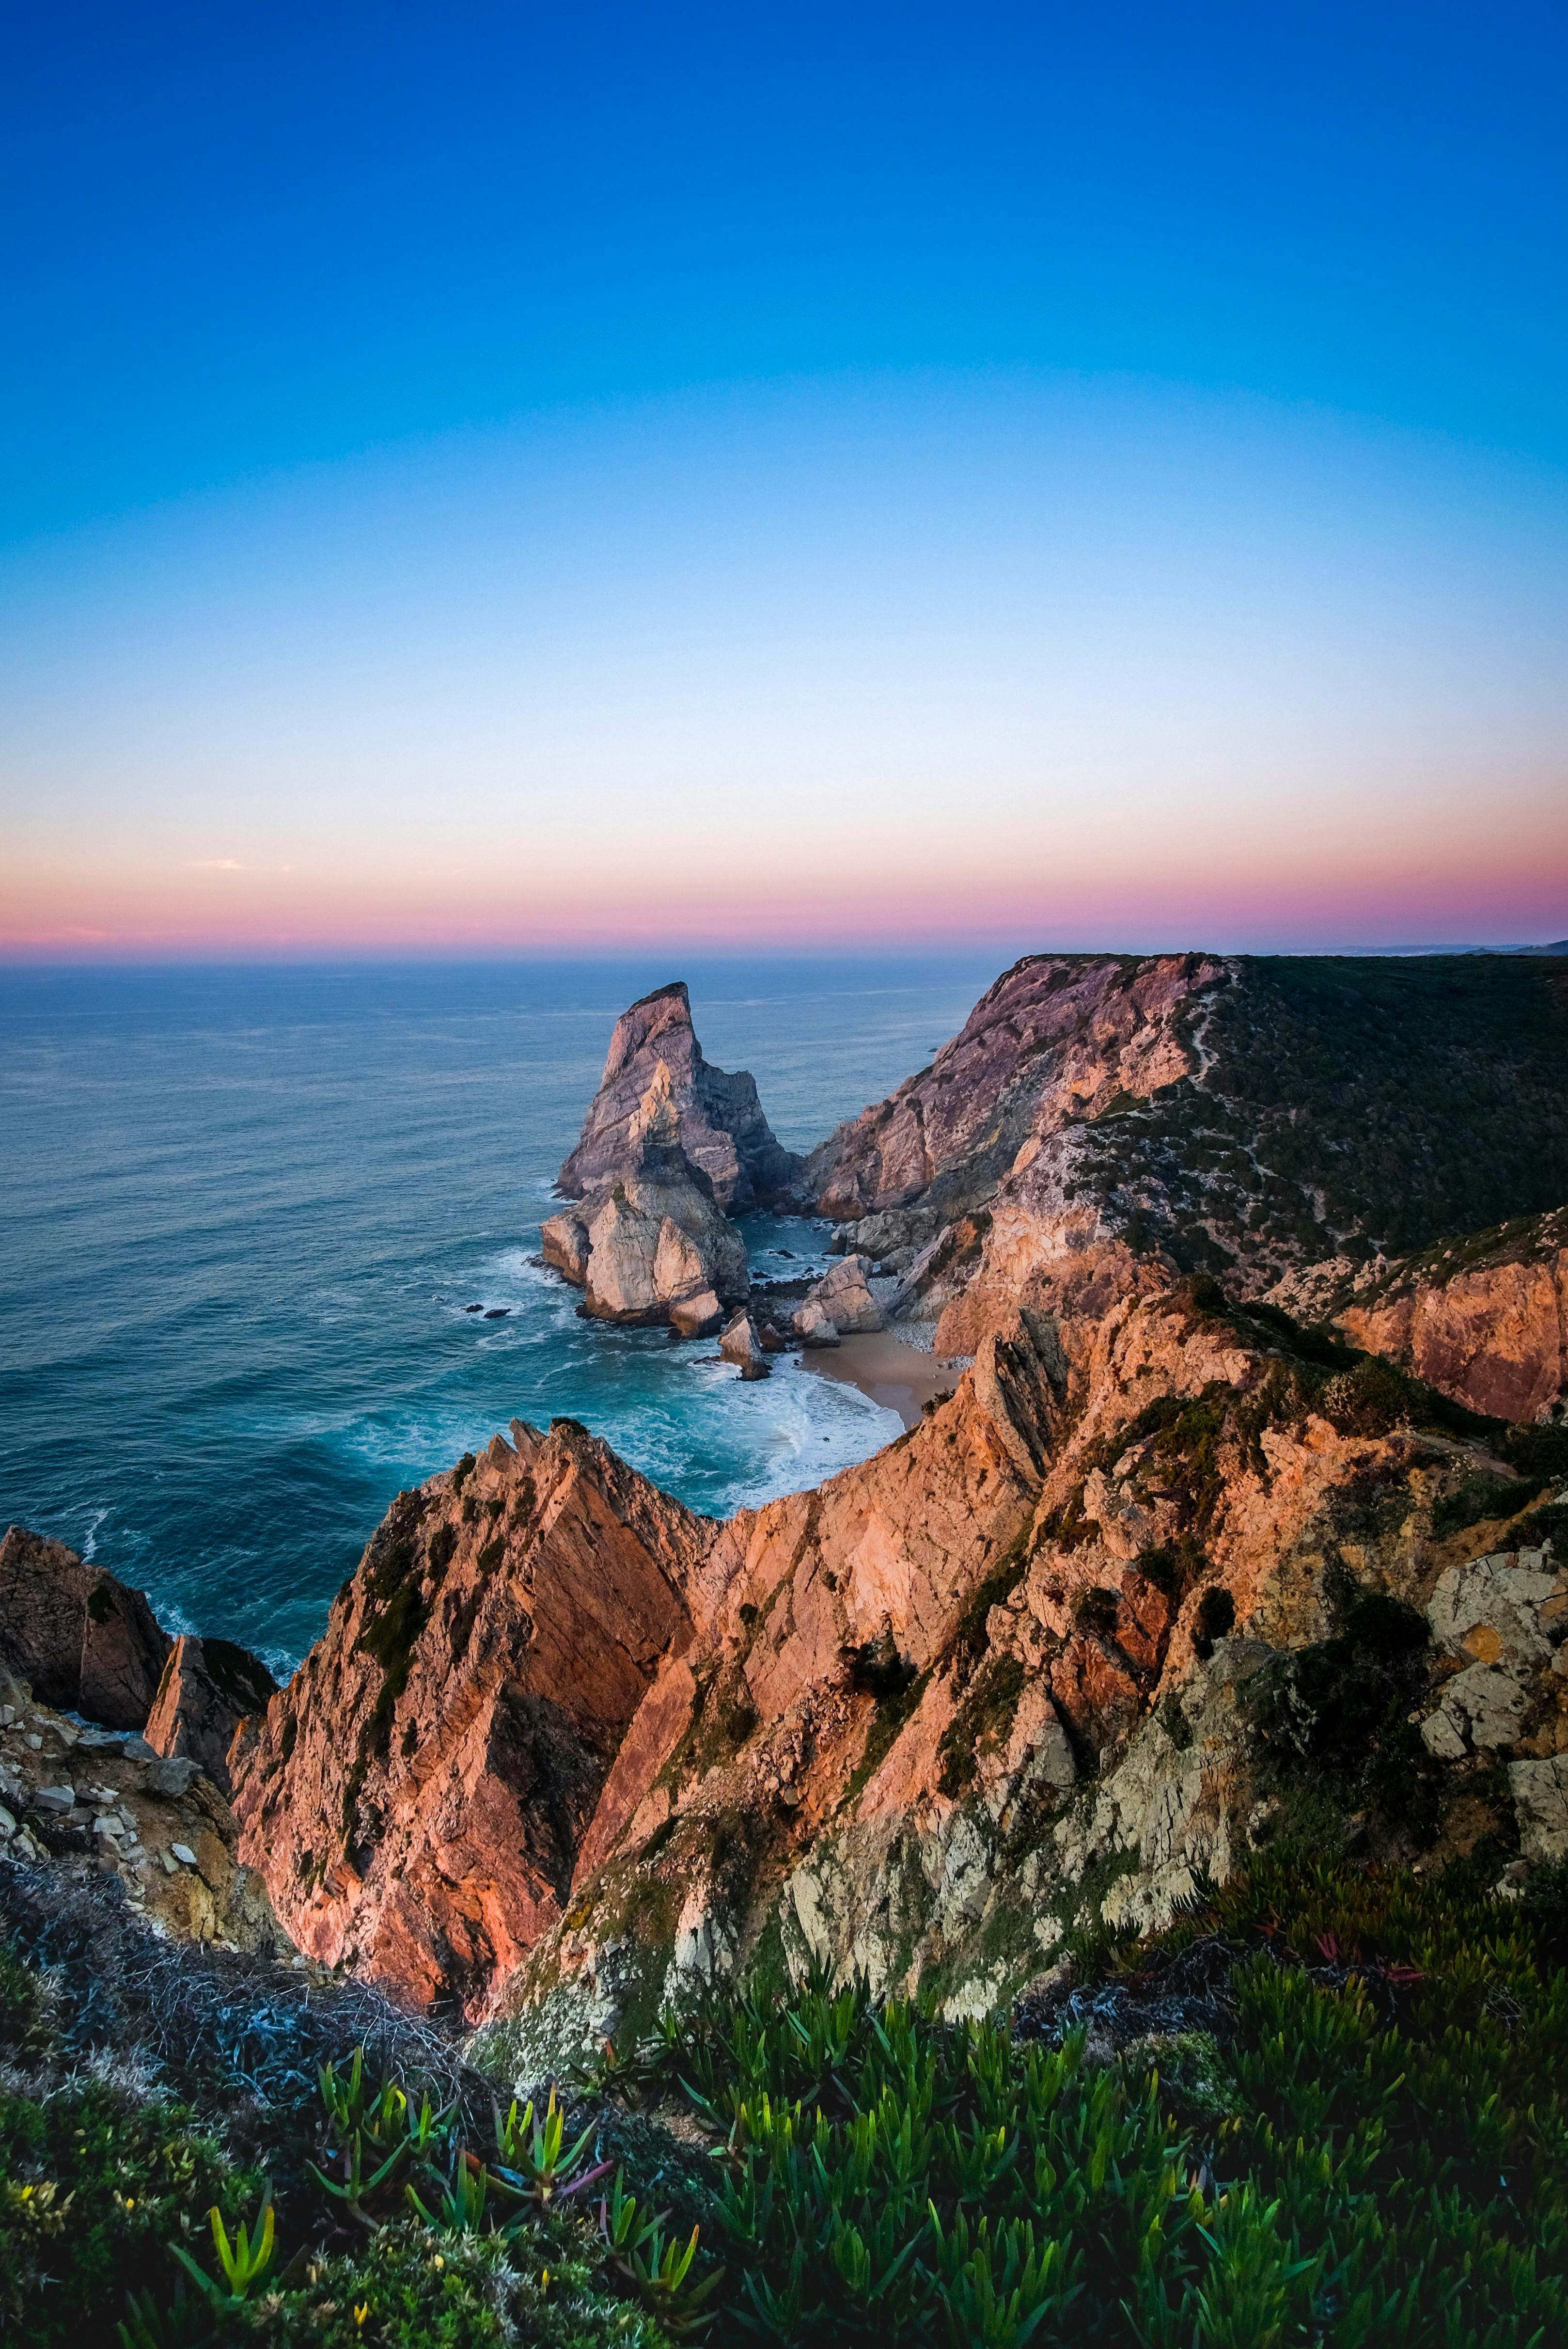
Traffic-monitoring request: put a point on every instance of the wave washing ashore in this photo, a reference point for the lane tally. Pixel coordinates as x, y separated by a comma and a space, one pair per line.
248, 1212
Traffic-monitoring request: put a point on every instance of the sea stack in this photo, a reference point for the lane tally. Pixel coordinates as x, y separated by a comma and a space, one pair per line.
722, 1128
652, 1244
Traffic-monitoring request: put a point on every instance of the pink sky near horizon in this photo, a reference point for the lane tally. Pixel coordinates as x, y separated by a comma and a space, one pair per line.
1020, 659
1283, 899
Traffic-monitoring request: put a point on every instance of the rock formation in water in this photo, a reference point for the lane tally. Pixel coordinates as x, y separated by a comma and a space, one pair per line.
653, 1244
722, 1125
742, 1344
83, 1642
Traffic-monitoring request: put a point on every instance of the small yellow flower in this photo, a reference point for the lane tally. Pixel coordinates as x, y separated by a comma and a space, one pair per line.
361, 2310
545, 2280
437, 2262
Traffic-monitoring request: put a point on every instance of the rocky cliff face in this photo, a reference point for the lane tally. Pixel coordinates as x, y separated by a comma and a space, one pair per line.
1075, 1641
82, 1641
208, 1688
416, 1799
1169, 1573
1484, 1318
722, 1125
1243, 1117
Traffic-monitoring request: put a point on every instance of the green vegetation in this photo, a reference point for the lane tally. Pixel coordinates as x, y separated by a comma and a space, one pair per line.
1353, 1104
1328, 2106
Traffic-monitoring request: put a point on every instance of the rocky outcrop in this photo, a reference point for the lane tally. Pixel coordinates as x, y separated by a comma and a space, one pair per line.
417, 1796
843, 1297
814, 1325
656, 1239
103, 1800
1065, 1644
722, 1125
85, 1643
208, 1687
1484, 1318
698, 1316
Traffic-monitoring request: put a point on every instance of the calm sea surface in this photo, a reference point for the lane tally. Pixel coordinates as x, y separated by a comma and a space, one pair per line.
243, 1211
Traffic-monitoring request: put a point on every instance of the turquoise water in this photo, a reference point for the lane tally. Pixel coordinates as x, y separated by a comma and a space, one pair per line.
244, 1211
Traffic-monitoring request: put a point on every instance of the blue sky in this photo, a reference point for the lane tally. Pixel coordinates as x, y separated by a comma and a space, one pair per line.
495, 410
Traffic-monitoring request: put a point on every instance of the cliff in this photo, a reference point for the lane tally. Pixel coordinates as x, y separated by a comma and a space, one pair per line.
722, 1125
1079, 1639
1244, 1116
1483, 1317
416, 1799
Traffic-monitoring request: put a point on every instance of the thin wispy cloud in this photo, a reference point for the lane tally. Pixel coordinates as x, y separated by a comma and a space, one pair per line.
216, 864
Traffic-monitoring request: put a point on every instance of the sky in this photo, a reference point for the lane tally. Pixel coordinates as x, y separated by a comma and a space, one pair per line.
491, 479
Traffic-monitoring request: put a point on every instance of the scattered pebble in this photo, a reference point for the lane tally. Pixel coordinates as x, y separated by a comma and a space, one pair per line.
184, 1852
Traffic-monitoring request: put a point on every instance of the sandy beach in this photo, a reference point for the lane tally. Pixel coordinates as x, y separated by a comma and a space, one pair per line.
897, 1376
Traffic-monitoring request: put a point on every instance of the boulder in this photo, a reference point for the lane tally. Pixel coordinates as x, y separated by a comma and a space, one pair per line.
845, 1297
208, 1687
83, 1642
564, 1240
740, 1343
726, 1133
696, 1317
812, 1325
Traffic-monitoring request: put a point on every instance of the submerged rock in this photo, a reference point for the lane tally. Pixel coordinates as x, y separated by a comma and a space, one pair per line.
742, 1343
725, 1131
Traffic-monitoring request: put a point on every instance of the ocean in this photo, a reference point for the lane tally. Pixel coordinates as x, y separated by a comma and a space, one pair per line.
245, 1212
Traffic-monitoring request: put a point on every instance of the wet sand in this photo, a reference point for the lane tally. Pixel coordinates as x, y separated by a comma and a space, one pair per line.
897, 1376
